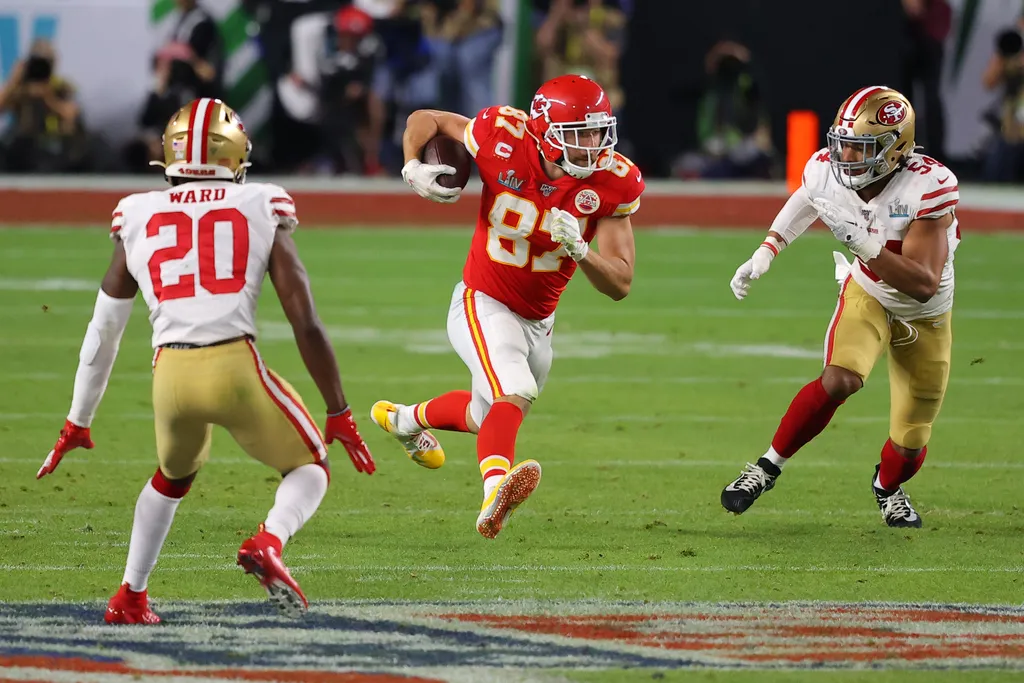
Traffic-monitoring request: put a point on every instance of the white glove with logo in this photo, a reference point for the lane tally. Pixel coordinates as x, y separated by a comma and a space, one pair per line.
756, 266
846, 228
423, 178
565, 230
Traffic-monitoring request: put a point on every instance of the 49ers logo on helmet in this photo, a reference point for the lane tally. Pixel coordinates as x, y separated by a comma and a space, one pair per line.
891, 113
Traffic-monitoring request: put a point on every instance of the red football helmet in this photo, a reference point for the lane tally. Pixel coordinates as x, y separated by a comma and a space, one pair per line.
571, 117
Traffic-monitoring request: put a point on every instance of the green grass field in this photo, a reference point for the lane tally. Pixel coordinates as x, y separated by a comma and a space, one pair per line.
652, 406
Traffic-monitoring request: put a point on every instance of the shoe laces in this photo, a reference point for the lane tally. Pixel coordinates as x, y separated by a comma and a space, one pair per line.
419, 441
753, 479
898, 505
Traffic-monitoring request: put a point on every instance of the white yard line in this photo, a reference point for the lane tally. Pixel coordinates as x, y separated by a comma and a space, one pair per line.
542, 568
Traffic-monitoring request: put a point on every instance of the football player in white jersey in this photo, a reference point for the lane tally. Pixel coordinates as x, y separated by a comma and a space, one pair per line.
198, 251
894, 210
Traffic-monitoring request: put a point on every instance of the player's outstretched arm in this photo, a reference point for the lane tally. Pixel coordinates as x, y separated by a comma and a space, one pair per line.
288, 275
791, 222
916, 272
96, 359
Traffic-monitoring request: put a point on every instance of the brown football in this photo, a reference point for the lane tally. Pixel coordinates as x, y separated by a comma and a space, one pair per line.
444, 150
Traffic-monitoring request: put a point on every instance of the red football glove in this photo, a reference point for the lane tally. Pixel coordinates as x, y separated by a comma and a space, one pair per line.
71, 437
342, 427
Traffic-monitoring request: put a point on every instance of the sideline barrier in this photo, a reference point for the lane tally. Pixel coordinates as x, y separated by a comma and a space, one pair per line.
89, 201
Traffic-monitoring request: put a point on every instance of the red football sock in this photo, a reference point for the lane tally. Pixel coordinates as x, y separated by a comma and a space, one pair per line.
809, 413
496, 442
896, 469
447, 412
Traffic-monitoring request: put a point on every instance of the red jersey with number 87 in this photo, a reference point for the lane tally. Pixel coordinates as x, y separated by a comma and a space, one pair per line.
512, 257
199, 252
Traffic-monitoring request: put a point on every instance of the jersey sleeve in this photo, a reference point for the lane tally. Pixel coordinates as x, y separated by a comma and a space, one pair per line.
117, 219
816, 172
939, 193
480, 129
282, 208
631, 186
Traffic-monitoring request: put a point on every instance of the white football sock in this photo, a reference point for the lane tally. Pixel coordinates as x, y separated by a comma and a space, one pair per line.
491, 482
774, 458
405, 422
154, 513
297, 498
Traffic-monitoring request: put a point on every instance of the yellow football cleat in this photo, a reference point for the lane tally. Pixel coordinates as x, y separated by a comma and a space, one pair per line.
513, 490
421, 447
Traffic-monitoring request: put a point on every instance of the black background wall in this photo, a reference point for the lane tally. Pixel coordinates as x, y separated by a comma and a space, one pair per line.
808, 54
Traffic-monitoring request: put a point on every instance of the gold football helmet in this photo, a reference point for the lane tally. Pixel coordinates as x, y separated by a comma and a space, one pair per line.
872, 135
205, 139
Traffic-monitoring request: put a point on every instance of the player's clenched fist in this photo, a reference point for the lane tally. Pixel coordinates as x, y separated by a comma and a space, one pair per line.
565, 230
71, 437
342, 427
423, 178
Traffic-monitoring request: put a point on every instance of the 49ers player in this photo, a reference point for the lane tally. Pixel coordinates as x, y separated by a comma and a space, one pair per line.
199, 252
552, 182
894, 209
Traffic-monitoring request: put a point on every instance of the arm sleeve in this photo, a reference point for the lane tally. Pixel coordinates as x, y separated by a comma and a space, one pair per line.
795, 217
96, 359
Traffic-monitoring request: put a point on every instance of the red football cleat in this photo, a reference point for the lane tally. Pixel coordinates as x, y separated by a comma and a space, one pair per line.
261, 557
129, 607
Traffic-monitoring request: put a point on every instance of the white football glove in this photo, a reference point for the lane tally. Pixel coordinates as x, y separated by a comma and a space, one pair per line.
756, 266
846, 228
423, 178
565, 230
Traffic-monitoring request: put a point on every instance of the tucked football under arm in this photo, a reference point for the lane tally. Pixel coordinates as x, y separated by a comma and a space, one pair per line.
96, 359
792, 221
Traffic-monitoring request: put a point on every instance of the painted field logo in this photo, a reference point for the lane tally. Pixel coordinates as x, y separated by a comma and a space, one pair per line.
427, 642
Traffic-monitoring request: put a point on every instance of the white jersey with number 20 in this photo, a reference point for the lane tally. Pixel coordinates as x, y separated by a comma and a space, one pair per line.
199, 252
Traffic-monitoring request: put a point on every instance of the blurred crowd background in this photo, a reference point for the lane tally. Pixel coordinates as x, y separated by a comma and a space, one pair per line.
325, 85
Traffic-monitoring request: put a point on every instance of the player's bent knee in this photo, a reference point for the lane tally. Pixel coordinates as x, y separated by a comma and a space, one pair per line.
841, 383
522, 402
326, 467
909, 440
172, 487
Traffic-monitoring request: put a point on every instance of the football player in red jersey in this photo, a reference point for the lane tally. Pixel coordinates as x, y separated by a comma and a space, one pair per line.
552, 182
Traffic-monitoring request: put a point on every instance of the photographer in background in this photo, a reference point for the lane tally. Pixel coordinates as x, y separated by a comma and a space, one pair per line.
352, 120
46, 133
194, 52
1006, 70
732, 121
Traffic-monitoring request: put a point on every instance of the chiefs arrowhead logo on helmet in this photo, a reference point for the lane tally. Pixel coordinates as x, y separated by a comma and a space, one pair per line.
540, 107
891, 113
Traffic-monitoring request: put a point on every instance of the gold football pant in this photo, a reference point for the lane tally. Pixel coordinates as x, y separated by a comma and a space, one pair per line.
919, 355
228, 385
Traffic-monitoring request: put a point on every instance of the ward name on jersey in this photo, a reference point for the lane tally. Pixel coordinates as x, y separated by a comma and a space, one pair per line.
512, 257
199, 253
923, 189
